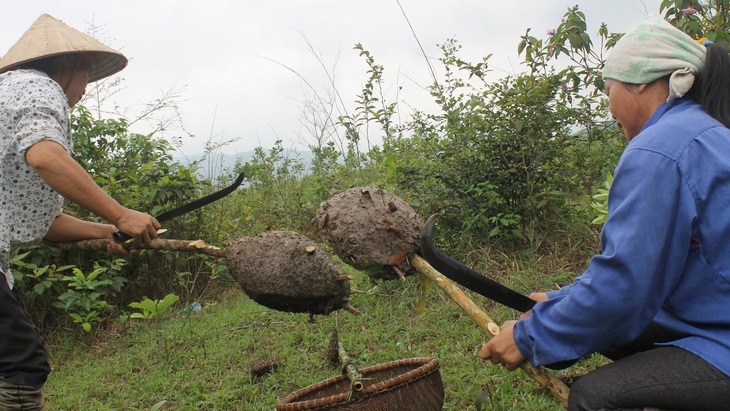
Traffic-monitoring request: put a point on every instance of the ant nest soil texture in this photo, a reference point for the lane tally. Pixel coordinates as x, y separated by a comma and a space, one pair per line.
368, 226
287, 271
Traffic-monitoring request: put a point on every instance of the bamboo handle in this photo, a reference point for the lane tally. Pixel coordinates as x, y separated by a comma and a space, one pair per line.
540, 374
196, 246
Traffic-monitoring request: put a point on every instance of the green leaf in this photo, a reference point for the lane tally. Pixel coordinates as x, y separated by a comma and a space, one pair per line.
145, 305
169, 300
371, 269
95, 274
158, 406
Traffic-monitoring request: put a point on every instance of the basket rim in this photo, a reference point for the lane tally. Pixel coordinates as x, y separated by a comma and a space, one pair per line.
427, 366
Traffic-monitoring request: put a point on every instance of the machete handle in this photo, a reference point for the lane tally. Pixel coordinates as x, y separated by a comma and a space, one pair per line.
119, 237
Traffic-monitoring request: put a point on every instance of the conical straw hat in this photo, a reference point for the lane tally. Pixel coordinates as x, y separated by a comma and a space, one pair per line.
49, 36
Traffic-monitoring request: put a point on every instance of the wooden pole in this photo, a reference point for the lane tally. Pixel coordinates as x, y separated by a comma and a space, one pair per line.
540, 374
196, 246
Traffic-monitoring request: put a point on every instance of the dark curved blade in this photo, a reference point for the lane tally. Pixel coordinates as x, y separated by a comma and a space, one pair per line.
467, 277
120, 237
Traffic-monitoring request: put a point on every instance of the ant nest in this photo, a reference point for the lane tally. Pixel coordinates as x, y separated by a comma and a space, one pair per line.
367, 226
287, 271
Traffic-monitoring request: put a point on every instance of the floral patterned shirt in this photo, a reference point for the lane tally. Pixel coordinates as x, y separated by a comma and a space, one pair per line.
33, 108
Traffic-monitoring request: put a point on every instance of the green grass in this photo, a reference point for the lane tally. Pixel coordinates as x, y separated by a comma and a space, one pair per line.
201, 361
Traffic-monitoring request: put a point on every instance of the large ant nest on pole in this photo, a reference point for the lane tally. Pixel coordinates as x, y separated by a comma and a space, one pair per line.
368, 226
287, 271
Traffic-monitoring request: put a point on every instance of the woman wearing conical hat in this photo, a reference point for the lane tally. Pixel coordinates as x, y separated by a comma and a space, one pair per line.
42, 77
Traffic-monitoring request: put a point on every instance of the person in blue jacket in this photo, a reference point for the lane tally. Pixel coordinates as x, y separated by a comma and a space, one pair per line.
657, 299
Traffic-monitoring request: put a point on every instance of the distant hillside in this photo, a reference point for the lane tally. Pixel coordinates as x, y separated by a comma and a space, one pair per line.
218, 163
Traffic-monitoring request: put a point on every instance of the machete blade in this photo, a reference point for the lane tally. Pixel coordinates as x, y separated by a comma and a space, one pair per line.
467, 277
120, 237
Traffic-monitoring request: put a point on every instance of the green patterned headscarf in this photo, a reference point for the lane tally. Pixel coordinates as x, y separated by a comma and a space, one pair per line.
655, 49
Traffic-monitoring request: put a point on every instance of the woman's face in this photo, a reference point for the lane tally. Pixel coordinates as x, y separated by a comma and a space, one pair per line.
77, 85
625, 107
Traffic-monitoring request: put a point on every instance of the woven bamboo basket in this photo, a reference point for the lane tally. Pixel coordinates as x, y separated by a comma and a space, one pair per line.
412, 384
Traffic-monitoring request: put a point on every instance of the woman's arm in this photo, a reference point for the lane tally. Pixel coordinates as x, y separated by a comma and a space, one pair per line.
56, 167
68, 228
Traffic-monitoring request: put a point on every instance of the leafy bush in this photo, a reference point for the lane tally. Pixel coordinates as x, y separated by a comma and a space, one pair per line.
502, 158
86, 297
699, 18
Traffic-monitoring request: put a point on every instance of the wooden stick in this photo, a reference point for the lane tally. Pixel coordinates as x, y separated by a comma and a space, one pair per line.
540, 374
352, 310
196, 246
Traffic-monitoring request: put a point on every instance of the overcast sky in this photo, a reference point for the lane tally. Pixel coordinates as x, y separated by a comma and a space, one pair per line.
228, 56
